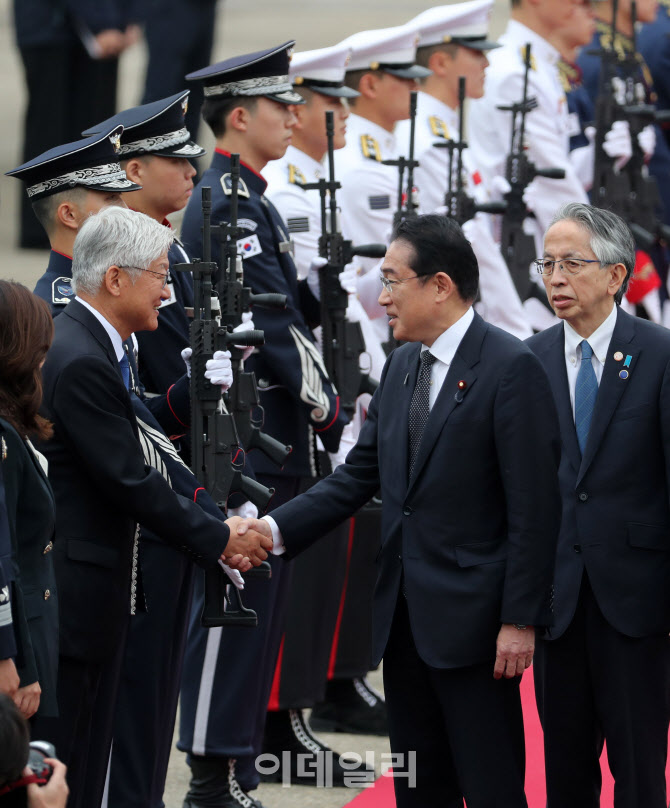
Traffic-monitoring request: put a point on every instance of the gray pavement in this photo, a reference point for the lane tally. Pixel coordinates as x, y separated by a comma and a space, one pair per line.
243, 26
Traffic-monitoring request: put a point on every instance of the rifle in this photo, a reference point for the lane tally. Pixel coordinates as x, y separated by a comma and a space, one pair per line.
407, 205
459, 205
215, 444
342, 340
516, 246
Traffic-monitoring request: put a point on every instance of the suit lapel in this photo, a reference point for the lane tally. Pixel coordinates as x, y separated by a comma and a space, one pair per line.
612, 386
450, 396
82, 315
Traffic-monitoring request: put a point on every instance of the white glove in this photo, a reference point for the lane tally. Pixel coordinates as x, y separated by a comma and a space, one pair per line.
581, 160
347, 279
313, 275
499, 187
219, 370
186, 356
236, 579
247, 510
247, 324
647, 140
530, 195
617, 144
347, 442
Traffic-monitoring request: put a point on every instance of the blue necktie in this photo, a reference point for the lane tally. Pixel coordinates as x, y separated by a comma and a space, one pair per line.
419, 408
586, 391
125, 370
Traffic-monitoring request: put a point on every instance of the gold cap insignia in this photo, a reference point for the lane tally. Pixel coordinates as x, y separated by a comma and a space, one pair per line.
115, 140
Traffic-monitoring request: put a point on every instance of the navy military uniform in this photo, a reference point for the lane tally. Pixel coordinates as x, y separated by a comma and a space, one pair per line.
654, 44
223, 704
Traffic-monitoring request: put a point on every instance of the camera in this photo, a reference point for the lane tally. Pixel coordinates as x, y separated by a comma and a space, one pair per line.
39, 750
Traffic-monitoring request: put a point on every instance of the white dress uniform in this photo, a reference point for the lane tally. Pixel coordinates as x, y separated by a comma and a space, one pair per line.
547, 126
369, 195
435, 121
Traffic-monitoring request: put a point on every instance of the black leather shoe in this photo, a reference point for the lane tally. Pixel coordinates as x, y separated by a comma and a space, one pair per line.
351, 706
292, 754
214, 785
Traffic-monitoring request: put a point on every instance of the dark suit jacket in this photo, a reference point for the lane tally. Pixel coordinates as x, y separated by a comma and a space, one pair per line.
616, 519
31, 514
103, 487
474, 530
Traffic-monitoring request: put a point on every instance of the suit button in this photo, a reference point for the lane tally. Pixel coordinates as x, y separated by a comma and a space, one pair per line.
47, 594
583, 496
407, 511
48, 548
577, 548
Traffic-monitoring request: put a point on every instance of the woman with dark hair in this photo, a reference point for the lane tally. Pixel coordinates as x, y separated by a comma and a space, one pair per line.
26, 330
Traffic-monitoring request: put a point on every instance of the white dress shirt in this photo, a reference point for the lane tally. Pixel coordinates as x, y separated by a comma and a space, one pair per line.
443, 349
599, 342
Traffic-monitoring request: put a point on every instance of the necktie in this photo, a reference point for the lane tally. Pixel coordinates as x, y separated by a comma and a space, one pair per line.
125, 370
419, 407
586, 391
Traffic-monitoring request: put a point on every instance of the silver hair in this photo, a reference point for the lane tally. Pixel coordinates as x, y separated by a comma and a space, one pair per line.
610, 237
116, 237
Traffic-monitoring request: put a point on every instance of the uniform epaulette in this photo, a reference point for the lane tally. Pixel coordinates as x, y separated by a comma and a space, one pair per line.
370, 148
533, 63
295, 175
438, 128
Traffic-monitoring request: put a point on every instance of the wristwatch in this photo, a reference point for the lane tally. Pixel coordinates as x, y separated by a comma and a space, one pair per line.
520, 626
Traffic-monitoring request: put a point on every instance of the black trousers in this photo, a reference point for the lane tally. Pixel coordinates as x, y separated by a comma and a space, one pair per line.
594, 684
464, 728
82, 734
67, 92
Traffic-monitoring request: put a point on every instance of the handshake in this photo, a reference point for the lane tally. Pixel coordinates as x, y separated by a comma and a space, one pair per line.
249, 543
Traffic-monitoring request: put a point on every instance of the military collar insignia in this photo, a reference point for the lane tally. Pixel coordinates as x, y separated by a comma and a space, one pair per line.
62, 291
370, 148
295, 175
227, 185
438, 127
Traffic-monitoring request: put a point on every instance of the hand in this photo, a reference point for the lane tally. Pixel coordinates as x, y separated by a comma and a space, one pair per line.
110, 43
9, 678
647, 141
347, 279
247, 324
617, 144
249, 543
53, 794
531, 195
219, 370
186, 356
313, 275
514, 651
499, 187
27, 699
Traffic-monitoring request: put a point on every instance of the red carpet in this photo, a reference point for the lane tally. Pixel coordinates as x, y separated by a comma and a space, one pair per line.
381, 794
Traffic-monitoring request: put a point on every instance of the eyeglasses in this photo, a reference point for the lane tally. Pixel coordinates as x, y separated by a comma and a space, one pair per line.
163, 275
390, 284
569, 266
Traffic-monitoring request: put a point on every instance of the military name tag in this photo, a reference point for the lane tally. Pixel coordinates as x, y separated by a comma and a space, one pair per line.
248, 247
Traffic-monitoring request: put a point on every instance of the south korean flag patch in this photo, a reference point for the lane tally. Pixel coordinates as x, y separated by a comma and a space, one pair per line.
249, 246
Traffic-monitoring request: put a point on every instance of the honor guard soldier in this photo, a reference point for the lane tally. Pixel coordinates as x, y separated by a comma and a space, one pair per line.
248, 106
531, 22
453, 43
350, 702
382, 68
156, 148
654, 44
65, 185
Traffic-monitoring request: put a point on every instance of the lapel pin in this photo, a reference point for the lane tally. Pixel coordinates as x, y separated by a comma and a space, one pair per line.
462, 384
624, 374
3, 445
628, 360
618, 356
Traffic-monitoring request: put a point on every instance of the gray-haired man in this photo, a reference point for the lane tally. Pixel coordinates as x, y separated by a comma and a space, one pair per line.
601, 673
103, 486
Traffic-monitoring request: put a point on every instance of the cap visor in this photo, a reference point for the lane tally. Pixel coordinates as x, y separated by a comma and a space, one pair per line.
116, 186
189, 149
479, 45
411, 72
287, 97
333, 92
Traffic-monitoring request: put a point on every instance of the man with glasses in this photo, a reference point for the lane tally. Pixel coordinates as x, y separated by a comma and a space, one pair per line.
104, 484
462, 437
601, 671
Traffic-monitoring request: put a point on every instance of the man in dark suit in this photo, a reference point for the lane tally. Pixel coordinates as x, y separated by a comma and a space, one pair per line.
103, 485
602, 671
461, 436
